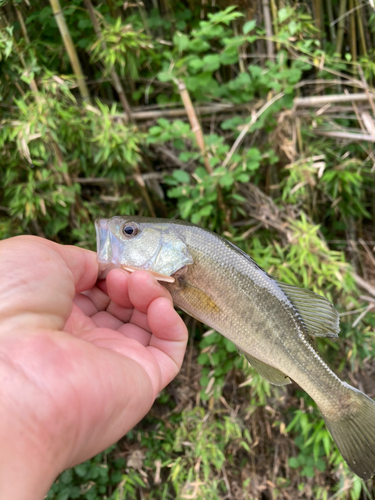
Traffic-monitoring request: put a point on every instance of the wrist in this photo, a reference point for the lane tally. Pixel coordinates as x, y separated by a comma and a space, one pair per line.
25, 477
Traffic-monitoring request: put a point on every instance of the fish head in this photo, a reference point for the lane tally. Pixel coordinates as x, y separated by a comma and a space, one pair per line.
140, 243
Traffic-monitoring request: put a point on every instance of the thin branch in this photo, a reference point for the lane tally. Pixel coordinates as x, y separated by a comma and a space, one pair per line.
347, 13
249, 125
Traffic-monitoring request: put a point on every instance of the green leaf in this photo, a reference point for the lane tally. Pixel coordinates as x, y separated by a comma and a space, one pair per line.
211, 62
226, 180
293, 462
163, 76
249, 26
181, 176
181, 41
198, 45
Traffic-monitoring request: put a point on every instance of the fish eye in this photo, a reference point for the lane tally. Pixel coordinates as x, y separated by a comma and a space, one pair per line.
130, 229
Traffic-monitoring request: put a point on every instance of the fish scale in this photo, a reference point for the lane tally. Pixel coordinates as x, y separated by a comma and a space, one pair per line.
264, 320
269, 321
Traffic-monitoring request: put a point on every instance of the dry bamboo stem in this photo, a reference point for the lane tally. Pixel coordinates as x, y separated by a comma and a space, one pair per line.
268, 28
194, 123
365, 86
363, 128
345, 135
68, 42
114, 76
196, 128
300, 102
327, 99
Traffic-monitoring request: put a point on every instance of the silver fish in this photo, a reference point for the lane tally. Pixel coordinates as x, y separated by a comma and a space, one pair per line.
269, 321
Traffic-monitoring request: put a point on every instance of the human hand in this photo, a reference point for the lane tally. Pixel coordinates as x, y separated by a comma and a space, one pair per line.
81, 361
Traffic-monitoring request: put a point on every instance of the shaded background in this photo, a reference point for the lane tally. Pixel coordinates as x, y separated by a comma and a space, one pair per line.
254, 120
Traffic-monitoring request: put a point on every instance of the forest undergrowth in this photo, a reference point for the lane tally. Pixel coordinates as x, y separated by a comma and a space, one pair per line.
255, 120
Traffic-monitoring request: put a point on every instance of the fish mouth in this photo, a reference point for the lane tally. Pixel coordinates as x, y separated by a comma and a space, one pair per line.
103, 241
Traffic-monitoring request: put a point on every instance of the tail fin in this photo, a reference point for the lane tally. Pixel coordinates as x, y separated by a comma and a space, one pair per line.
354, 434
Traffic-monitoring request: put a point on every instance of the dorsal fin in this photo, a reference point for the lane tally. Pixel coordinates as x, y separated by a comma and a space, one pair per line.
318, 314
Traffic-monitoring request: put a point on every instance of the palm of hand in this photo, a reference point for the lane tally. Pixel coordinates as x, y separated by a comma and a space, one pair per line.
77, 377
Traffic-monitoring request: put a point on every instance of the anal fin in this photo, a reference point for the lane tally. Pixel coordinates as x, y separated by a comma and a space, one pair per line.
272, 375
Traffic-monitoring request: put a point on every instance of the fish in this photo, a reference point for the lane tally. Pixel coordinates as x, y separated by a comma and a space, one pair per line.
269, 321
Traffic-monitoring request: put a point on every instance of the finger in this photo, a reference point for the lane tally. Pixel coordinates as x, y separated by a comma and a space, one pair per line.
82, 264
137, 333
117, 287
119, 312
169, 339
103, 319
99, 299
85, 304
140, 319
78, 322
143, 289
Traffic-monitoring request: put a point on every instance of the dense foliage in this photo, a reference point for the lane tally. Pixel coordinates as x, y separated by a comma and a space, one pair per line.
261, 165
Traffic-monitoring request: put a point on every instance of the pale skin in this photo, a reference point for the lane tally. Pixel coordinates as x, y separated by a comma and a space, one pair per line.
81, 361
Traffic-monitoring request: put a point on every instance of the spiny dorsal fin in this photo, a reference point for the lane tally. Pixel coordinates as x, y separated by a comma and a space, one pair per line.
273, 375
318, 314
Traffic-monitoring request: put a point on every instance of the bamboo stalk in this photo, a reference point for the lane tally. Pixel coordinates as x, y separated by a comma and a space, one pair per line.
299, 102
68, 42
353, 34
194, 123
365, 86
196, 128
318, 16
142, 13
330, 20
114, 76
22, 23
325, 99
340, 29
360, 29
268, 28
345, 135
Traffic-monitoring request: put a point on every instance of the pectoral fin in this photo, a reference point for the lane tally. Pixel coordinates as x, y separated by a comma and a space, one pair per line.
272, 375
199, 299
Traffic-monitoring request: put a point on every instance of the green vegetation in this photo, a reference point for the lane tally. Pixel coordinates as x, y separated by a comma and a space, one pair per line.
290, 182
